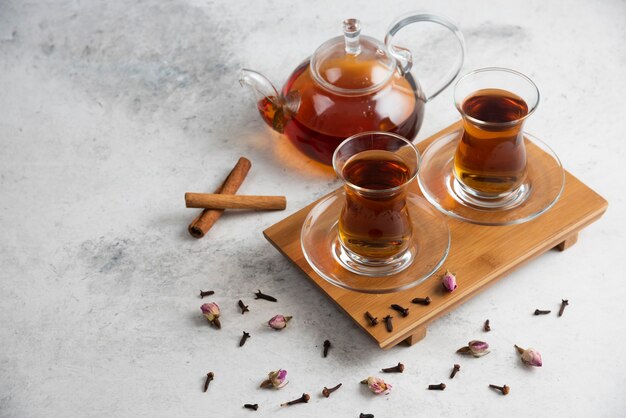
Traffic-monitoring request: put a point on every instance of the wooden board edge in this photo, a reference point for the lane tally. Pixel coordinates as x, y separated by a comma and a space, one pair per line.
489, 280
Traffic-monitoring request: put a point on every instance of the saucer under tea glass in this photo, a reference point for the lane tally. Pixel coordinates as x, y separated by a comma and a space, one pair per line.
490, 171
375, 235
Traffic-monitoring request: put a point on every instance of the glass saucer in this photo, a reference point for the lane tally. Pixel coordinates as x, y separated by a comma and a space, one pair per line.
542, 188
321, 247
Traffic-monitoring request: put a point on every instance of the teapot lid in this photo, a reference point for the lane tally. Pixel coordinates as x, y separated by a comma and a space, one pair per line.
352, 64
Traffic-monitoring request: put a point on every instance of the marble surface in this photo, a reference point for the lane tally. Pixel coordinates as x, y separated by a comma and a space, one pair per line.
110, 111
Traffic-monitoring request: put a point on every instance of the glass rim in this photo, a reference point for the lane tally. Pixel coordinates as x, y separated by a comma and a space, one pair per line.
418, 159
531, 110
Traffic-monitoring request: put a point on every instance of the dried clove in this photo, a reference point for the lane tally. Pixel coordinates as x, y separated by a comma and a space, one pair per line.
204, 293
373, 320
244, 308
260, 295
395, 369
422, 301
455, 370
303, 399
440, 386
244, 337
504, 389
540, 312
326, 347
564, 303
326, 391
388, 323
487, 327
403, 311
209, 377
253, 406
362, 415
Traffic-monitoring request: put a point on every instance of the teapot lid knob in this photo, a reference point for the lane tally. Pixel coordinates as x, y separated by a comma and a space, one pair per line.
352, 64
351, 32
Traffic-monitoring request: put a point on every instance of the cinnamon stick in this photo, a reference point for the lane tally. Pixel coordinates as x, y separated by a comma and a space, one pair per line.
205, 220
224, 201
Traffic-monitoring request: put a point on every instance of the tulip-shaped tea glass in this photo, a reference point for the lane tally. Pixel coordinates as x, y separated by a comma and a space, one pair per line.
490, 171
490, 160
375, 227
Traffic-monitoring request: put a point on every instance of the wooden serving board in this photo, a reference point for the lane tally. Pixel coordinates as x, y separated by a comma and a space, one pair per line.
479, 255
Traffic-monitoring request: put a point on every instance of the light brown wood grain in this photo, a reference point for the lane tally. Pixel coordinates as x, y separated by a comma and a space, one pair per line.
479, 255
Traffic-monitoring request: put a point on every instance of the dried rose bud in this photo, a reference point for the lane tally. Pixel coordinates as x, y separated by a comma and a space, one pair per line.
377, 385
279, 322
530, 356
211, 312
449, 281
475, 348
275, 379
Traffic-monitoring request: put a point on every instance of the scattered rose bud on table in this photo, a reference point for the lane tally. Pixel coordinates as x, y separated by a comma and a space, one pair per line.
211, 312
275, 379
475, 348
377, 385
279, 322
449, 281
530, 356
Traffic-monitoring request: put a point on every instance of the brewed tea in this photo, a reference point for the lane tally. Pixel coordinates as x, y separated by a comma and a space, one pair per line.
324, 119
491, 157
375, 225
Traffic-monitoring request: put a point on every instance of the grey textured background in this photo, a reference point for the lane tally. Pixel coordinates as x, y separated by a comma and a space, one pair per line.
110, 111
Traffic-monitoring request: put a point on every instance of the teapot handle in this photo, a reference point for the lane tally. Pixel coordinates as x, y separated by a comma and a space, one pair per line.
405, 57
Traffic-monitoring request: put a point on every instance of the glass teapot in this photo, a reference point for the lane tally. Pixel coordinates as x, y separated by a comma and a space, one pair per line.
352, 83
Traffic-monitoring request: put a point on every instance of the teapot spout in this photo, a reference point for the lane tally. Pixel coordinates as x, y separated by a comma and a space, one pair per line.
274, 109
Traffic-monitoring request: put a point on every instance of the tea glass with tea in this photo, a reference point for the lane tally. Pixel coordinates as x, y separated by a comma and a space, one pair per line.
490, 163
375, 228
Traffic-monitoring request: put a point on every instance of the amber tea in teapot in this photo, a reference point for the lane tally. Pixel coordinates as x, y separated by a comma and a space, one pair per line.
318, 128
351, 84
